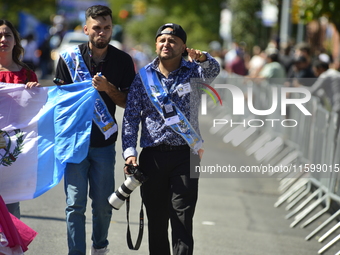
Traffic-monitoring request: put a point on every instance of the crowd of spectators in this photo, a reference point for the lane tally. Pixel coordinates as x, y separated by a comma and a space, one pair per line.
292, 65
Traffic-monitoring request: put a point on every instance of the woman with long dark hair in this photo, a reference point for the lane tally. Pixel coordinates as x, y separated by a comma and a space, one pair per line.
13, 70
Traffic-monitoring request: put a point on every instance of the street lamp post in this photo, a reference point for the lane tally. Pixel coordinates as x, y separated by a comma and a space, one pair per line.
285, 21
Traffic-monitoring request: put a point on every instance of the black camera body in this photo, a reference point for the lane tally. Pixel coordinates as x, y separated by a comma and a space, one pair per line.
135, 171
134, 180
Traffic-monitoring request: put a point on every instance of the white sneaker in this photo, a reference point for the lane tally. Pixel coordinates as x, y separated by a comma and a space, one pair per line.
102, 251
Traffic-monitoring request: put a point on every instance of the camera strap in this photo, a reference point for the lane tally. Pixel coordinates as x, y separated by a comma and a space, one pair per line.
141, 226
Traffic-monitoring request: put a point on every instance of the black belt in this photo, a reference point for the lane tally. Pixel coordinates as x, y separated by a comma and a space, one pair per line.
165, 147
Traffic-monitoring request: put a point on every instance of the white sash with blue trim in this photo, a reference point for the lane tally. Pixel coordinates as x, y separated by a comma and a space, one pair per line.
154, 89
79, 72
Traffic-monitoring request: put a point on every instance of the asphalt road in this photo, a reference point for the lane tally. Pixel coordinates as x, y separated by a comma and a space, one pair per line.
233, 216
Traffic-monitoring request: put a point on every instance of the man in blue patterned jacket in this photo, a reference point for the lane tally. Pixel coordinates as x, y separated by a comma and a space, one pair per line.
165, 99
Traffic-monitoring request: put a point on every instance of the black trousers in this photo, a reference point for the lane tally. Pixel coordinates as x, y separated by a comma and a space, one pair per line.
169, 193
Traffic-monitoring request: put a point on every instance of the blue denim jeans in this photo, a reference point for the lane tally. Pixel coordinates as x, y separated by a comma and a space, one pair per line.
96, 174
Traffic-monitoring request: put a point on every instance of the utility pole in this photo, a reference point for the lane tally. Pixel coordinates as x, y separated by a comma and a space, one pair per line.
285, 21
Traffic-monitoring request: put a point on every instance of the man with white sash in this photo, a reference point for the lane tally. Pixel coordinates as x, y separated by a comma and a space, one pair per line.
111, 72
164, 98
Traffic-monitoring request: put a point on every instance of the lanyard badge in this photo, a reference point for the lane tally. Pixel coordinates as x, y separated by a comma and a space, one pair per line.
169, 111
170, 114
183, 89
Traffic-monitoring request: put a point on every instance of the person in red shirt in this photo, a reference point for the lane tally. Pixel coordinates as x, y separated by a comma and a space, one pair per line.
12, 69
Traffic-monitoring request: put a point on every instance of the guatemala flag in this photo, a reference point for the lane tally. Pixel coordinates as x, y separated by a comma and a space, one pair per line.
40, 131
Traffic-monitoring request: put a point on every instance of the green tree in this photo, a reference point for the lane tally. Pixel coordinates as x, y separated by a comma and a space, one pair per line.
41, 9
314, 9
246, 26
199, 18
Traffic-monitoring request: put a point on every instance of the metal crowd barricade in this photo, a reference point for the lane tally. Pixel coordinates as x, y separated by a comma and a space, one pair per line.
335, 196
301, 188
326, 177
243, 133
261, 100
297, 144
313, 147
274, 132
239, 131
330, 160
225, 112
317, 178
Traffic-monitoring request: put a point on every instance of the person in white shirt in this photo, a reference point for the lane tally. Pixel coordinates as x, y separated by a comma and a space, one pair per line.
327, 86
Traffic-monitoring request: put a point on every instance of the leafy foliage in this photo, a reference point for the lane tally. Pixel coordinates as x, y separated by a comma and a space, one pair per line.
41, 9
200, 19
314, 9
245, 25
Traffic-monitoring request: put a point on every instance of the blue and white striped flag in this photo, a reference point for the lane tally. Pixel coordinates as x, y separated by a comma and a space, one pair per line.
39, 136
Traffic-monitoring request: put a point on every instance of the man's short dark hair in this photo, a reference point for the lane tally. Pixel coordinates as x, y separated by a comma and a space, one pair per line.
274, 57
98, 10
305, 47
318, 64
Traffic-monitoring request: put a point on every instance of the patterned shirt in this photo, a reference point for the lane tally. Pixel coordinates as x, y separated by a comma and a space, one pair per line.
139, 108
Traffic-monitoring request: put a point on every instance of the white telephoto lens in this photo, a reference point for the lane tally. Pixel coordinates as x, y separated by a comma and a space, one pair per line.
115, 202
118, 198
131, 182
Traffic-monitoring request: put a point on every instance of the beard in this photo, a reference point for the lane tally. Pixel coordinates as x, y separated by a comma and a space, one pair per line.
170, 56
101, 44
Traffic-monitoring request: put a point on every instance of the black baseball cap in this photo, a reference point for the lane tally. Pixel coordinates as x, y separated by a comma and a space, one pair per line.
177, 31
